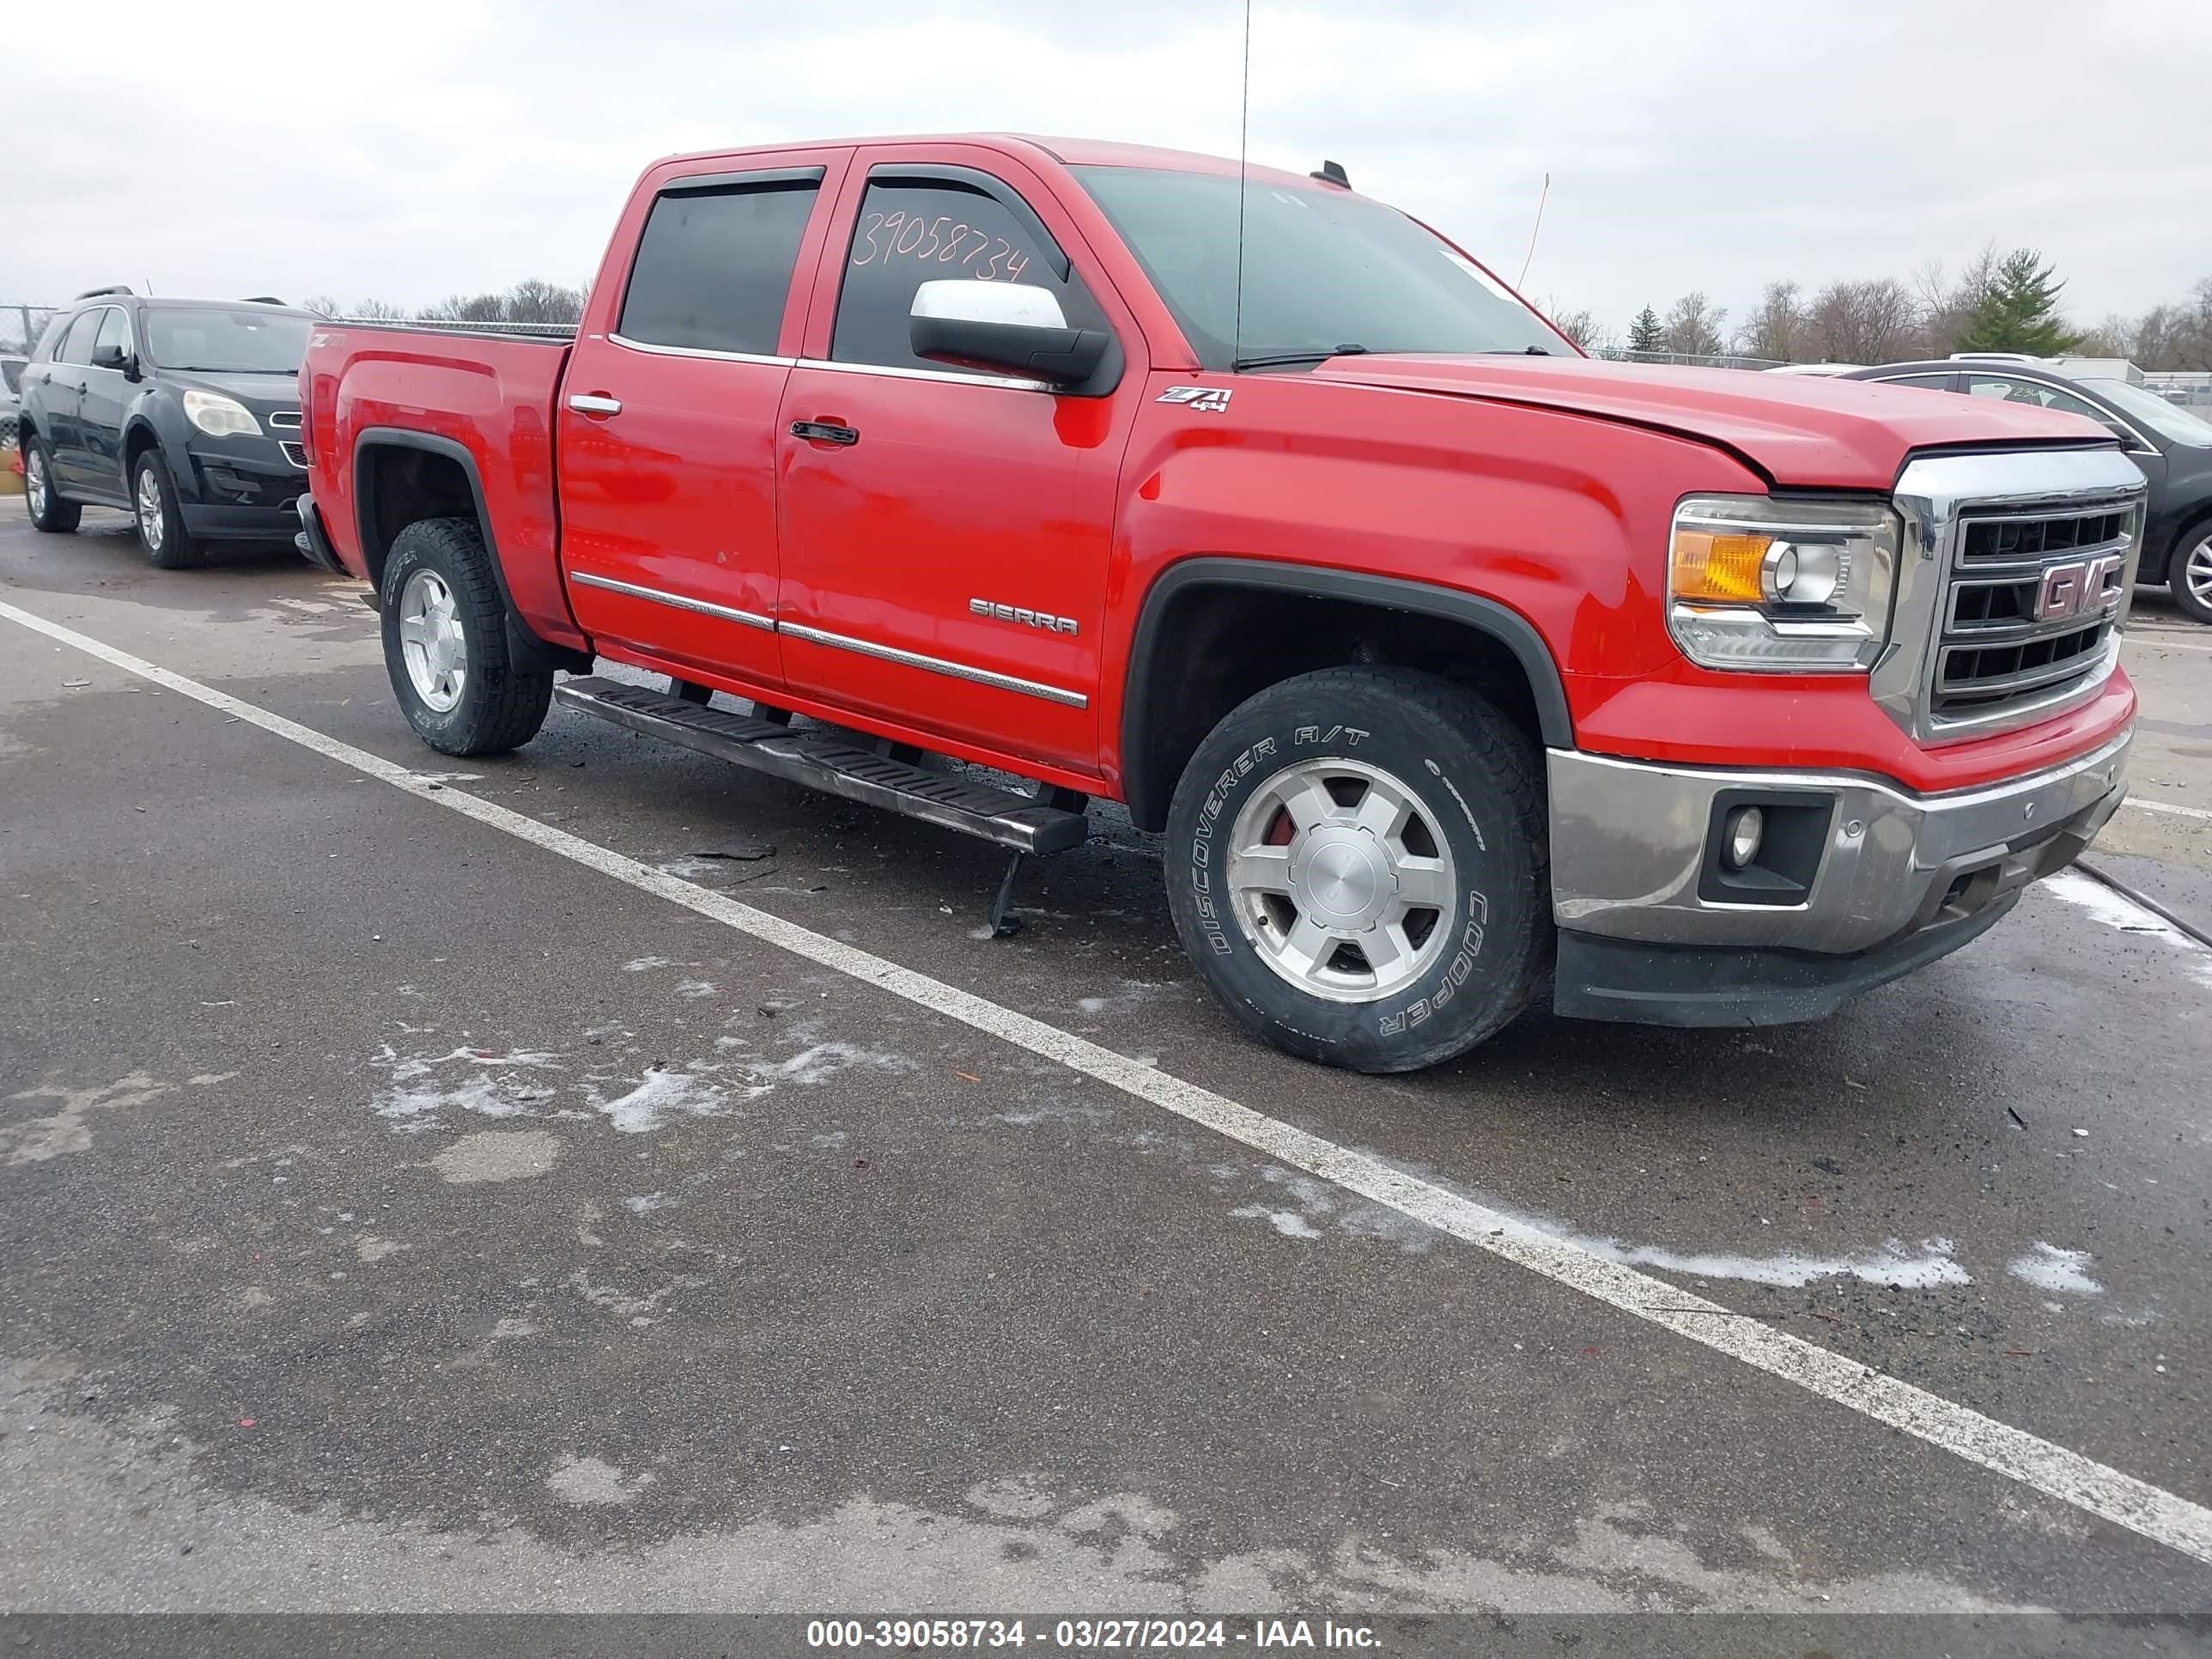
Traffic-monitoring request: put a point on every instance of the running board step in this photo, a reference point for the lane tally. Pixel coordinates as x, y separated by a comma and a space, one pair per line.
829, 761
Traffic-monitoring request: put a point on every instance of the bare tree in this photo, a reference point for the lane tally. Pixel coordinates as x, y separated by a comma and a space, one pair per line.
1947, 308
322, 305
535, 301
1581, 325
1693, 326
1777, 329
2113, 338
1877, 321
2177, 336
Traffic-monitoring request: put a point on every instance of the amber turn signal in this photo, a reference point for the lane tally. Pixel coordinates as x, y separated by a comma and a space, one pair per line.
1718, 569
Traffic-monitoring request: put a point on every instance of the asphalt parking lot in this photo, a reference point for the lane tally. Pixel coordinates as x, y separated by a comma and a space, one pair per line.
405, 1204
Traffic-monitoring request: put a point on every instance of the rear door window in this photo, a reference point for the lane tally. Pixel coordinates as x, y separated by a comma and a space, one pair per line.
911, 232
713, 267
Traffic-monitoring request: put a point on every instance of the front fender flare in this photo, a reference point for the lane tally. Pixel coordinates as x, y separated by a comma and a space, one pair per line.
1145, 796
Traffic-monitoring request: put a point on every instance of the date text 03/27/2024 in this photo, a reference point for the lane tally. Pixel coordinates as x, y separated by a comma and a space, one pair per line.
1089, 1635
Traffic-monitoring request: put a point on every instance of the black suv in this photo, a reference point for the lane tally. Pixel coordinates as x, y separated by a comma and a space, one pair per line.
183, 412
2173, 446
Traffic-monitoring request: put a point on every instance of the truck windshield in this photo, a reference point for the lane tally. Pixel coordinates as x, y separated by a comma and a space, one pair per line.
227, 342
1324, 271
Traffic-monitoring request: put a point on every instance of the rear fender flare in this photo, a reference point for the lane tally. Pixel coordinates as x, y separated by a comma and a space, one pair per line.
525, 649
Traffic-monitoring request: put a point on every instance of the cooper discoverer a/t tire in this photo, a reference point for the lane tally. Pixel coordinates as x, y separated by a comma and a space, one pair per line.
1355, 860
445, 644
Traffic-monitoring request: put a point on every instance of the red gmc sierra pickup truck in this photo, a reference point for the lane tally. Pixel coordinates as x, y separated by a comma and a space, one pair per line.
1446, 660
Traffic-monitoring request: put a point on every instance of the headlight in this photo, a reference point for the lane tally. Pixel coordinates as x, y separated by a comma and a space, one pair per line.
220, 416
1756, 583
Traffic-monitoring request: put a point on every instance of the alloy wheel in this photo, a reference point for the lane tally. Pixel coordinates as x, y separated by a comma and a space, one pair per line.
2197, 573
1339, 877
431, 641
153, 530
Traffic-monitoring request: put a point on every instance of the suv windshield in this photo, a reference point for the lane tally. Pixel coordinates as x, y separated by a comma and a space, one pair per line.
1323, 270
240, 341
2154, 411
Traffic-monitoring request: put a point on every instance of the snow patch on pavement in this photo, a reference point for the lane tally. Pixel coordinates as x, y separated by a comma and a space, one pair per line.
2117, 910
659, 1097
2048, 1268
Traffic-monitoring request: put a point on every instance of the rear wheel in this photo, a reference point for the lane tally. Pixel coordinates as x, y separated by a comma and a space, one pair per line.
1356, 860
445, 644
162, 537
2191, 578
49, 512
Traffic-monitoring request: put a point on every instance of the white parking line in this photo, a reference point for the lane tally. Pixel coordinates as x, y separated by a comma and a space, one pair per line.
2049, 1468
2141, 806
2160, 642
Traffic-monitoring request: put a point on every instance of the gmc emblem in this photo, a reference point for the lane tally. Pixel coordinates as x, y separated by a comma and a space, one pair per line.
2081, 588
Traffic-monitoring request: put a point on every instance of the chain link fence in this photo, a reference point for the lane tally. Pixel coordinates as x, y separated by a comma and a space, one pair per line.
2192, 388
1686, 359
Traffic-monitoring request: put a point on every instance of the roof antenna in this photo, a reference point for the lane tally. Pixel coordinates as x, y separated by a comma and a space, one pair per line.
1243, 185
1533, 229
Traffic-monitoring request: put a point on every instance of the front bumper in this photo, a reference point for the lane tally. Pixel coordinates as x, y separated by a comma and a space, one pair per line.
1875, 881
241, 489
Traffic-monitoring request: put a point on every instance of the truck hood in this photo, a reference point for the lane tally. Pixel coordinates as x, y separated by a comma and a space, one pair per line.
1803, 430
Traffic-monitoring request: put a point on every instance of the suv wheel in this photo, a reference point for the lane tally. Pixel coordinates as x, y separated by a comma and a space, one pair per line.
49, 512
1355, 860
445, 644
2192, 573
162, 537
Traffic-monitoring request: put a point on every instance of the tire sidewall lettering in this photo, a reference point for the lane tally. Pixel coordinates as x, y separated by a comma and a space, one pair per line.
1224, 936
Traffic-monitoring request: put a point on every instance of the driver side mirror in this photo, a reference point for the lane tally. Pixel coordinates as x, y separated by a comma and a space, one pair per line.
1008, 328
116, 356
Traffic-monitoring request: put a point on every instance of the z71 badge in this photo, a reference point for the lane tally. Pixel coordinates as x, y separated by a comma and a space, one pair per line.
1214, 399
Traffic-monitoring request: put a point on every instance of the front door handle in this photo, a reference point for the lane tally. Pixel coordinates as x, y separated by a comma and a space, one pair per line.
825, 432
594, 402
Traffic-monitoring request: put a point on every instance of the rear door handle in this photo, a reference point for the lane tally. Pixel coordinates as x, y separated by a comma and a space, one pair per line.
827, 432
593, 403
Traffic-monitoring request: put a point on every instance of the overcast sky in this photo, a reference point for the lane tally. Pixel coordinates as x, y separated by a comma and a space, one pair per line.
407, 151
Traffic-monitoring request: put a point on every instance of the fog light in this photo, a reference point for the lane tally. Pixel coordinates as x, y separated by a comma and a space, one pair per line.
1745, 827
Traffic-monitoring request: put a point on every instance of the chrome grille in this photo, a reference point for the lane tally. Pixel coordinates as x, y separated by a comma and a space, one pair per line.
2029, 611
287, 418
296, 453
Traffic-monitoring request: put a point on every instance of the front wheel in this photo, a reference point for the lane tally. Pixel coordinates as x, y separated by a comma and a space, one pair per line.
162, 537
445, 644
2192, 573
49, 512
1356, 861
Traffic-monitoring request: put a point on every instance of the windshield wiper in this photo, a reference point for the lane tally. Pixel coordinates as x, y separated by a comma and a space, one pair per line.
1516, 351
1282, 358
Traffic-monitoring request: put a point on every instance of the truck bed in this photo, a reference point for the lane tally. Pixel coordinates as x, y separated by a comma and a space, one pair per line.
483, 394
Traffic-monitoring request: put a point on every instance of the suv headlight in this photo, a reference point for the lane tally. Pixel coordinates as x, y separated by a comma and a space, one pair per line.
1801, 586
220, 416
